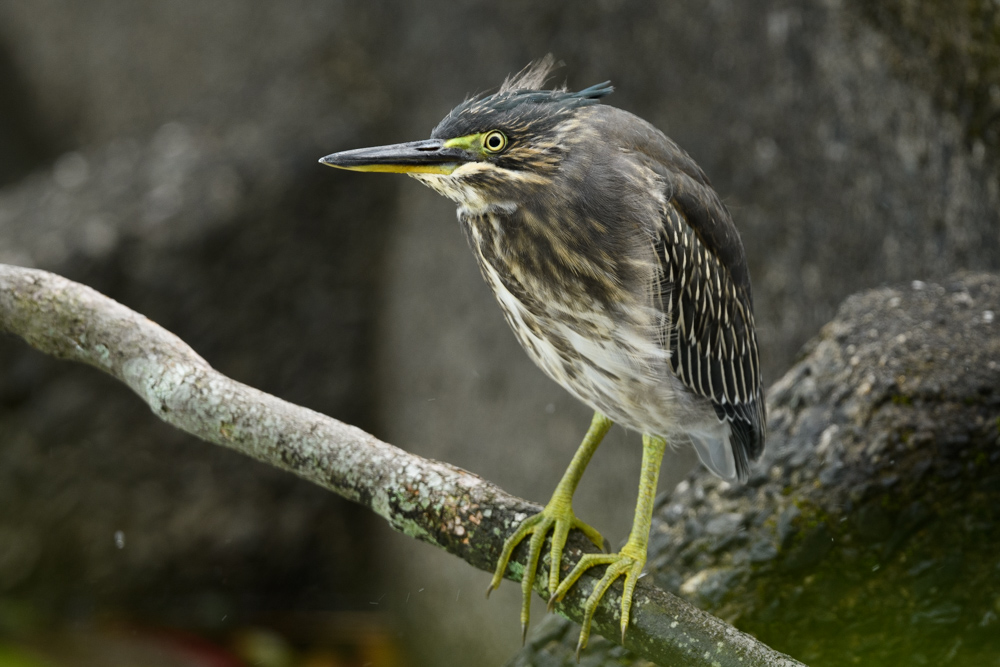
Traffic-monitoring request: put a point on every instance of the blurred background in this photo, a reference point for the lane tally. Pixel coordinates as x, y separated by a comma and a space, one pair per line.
165, 154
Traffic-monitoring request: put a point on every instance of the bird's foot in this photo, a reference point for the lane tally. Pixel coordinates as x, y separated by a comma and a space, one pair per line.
629, 561
557, 516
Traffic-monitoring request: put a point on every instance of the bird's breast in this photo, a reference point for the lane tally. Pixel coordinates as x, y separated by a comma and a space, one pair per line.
606, 353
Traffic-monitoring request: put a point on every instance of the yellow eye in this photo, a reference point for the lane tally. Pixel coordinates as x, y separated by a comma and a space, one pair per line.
495, 141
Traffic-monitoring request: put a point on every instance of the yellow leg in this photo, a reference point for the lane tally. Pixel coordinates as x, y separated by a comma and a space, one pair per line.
558, 516
632, 558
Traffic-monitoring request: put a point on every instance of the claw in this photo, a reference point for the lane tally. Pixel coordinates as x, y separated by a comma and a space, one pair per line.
531, 565
557, 516
628, 562
595, 537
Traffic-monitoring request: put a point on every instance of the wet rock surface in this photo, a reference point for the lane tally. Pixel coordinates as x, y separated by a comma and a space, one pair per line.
867, 534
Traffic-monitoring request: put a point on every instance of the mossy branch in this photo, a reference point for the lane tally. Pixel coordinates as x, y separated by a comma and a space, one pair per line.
430, 501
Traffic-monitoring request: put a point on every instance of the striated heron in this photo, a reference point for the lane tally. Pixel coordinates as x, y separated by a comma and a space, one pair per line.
623, 277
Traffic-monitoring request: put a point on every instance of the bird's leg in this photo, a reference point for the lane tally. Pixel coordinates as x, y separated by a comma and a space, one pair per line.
632, 558
557, 515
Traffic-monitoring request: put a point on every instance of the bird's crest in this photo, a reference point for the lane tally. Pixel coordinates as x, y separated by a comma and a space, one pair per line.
532, 77
521, 91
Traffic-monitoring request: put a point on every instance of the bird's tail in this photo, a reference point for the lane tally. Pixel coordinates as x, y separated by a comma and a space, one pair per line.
716, 453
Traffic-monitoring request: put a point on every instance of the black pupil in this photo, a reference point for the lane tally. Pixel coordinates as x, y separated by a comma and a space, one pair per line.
494, 141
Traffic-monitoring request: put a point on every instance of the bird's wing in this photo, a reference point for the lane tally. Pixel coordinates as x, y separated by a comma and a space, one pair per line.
703, 291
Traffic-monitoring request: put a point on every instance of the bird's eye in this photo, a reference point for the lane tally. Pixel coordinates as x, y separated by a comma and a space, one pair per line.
495, 141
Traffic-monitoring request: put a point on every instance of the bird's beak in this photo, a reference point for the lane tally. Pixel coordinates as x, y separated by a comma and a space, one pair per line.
430, 156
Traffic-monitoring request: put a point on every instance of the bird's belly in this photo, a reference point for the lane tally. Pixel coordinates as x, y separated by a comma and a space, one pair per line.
616, 368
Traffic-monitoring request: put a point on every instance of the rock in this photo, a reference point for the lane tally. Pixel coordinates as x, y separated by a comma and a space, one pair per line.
892, 560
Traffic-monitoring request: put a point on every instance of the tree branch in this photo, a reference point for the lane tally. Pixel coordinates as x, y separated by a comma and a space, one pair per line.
431, 501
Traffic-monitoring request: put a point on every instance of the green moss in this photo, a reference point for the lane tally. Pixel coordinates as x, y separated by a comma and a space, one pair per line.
11, 656
901, 399
811, 516
901, 589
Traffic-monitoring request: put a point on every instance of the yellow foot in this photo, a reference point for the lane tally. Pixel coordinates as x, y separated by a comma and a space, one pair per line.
557, 516
629, 561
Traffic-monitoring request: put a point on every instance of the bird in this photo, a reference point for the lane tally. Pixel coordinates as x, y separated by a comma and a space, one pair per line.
622, 275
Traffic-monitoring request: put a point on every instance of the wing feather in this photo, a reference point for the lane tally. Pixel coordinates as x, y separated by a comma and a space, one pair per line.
702, 285
712, 340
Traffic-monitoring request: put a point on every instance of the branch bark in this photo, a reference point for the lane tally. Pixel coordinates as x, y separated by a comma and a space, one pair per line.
428, 500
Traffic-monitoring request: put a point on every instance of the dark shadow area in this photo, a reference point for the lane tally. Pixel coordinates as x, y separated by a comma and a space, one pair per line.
25, 145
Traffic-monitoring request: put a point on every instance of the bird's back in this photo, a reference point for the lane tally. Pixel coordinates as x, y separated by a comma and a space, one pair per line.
704, 286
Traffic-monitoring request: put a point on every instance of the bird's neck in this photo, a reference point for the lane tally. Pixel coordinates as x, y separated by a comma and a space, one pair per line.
537, 261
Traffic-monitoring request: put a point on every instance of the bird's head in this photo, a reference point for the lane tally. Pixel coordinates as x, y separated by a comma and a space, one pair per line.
490, 148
